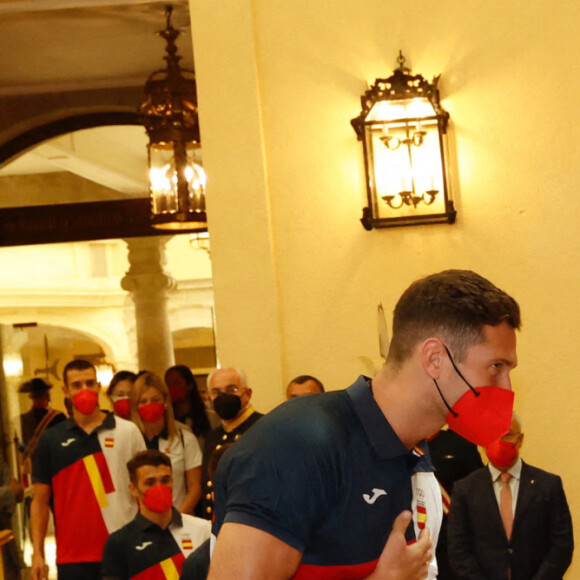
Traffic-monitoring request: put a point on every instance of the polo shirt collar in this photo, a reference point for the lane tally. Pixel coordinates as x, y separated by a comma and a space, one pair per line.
108, 423
384, 440
144, 524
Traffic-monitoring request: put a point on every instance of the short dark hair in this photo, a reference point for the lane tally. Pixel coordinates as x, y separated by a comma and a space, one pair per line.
77, 365
453, 304
118, 377
152, 457
301, 379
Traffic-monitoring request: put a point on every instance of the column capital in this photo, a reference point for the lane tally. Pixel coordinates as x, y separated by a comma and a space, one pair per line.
147, 274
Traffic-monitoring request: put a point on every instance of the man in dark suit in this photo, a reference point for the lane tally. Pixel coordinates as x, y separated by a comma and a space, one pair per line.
509, 520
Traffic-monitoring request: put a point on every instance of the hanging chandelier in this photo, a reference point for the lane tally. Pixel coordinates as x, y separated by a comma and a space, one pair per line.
170, 114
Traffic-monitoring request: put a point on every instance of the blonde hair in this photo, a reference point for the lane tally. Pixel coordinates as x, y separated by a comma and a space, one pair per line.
143, 382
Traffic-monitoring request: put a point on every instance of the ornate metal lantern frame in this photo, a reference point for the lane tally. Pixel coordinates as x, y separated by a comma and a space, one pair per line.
170, 115
403, 129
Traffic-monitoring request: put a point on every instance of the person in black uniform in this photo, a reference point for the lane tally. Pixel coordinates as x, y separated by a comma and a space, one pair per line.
230, 396
39, 392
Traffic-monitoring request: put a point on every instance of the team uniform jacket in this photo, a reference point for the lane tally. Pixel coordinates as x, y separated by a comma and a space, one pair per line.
90, 483
325, 474
142, 550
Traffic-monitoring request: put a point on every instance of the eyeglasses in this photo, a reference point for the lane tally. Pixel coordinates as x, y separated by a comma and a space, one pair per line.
230, 390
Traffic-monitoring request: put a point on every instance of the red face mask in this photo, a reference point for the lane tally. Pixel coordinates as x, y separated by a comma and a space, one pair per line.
158, 498
152, 412
502, 453
85, 401
482, 415
122, 407
177, 392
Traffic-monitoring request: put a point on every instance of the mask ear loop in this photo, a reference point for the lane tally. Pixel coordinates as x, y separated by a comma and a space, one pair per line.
444, 401
475, 391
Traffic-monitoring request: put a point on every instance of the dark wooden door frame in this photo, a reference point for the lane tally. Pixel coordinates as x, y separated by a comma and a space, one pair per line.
76, 222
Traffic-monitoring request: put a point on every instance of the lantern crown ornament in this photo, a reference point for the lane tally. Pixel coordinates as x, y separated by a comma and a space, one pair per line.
403, 128
170, 114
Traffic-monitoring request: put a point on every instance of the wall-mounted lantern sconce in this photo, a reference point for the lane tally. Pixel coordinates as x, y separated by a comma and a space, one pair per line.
403, 129
176, 178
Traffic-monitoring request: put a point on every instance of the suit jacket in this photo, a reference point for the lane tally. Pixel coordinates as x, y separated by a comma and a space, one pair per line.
541, 543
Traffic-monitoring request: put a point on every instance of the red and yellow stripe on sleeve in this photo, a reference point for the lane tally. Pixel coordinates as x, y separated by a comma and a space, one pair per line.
100, 477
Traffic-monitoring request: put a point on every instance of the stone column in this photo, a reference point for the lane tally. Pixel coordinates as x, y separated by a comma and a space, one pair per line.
148, 283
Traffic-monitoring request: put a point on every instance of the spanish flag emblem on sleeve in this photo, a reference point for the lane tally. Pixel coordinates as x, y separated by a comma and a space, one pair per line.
421, 516
109, 442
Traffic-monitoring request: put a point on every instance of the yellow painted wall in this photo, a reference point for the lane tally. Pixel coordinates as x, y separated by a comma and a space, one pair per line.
297, 279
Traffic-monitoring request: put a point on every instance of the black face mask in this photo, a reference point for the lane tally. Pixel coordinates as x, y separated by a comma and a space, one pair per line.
227, 406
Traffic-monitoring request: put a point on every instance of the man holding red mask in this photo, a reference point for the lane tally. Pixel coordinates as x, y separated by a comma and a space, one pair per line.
509, 519
79, 469
155, 544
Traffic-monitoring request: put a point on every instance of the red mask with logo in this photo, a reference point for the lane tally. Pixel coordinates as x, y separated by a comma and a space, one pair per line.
151, 412
122, 406
482, 415
158, 498
502, 453
85, 401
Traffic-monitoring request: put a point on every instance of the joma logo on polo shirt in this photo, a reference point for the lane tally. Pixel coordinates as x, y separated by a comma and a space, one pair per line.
143, 546
376, 494
68, 442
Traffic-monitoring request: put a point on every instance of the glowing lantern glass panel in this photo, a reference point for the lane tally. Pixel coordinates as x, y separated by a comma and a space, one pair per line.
164, 179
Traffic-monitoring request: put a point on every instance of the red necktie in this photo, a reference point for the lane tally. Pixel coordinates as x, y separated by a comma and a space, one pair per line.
505, 504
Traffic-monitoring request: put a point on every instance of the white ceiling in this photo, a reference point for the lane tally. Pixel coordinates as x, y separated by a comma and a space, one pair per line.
47, 45
60, 45
112, 156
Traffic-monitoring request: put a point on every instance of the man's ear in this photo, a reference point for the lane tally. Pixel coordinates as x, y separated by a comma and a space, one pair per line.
432, 356
520, 441
133, 490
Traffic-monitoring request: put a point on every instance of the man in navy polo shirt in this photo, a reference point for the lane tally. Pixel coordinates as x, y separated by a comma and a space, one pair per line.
79, 471
320, 488
155, 544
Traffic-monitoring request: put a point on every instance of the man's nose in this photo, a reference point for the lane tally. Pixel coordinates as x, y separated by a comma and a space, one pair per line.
506, 383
